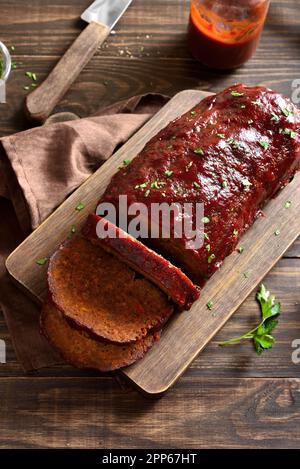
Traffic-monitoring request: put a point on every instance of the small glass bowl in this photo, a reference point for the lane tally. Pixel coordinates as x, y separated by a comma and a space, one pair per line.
6, 62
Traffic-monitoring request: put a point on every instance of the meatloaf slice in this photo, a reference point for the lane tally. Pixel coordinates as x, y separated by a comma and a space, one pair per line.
102, 295
80, 350
143, 260
232, 153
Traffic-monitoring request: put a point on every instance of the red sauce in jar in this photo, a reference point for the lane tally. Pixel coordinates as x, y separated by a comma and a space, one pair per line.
223, 42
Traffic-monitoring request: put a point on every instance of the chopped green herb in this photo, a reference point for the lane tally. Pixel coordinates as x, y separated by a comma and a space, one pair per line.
206, 236
169, 147
211, 258
188, 166
264, 144
126, 162
199, 151
291, 133
80, 207
210, 305
287, 204
221, 136
287, 112
275, 118
12, 48
247, 184
31, 75
142, 186
195, 184
42, 261
193, 113
26, 88
235, 233
73, 229
33, 85
168, 173
235, 143
277, 232
236, 93
207, 247
224, 184
240, 249
260, 335
246, 274
14, 65
157, 184
205, 220
147, 193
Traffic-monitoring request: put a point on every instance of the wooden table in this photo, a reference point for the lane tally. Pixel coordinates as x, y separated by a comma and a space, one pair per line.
230, 397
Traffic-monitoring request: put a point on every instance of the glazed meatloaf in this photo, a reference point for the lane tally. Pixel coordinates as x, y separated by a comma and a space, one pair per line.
140, 258
79, 349
100, 294
232, 153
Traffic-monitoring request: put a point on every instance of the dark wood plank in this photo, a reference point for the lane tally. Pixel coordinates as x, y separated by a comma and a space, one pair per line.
96, 413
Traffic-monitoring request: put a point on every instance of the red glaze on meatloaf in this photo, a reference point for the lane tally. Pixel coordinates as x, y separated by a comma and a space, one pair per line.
232, 152
143, 260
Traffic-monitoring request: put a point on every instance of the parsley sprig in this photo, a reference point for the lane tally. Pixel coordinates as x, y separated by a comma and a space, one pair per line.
261, 334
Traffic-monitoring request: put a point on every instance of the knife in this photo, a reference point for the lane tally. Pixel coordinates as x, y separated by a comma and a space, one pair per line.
102, 16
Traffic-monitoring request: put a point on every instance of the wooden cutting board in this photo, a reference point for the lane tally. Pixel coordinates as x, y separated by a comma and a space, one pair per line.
188, 332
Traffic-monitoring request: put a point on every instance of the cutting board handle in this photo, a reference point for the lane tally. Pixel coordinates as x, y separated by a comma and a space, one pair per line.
41, 102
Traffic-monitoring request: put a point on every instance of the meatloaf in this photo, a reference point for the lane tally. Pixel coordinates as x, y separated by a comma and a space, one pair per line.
80, 350
232, 152
143, 260
102, 295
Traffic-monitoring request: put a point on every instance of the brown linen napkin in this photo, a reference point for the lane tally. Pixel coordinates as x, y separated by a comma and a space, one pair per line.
39, 168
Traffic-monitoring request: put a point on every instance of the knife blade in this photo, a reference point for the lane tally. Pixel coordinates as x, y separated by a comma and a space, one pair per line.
102, 16
106, 11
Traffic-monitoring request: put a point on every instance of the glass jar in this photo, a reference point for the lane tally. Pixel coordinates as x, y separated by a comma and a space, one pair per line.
224, 34
5, 68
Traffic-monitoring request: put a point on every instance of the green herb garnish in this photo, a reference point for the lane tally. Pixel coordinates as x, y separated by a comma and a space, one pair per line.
261, 334
80, 207
291, 133
126, 162
235, 233
240, 249
207, 247
224, 184
157, 184
205, 220
188, 166
210, 305
147, 193
277, 232
236, 93
286, 112
221, 136
287, 204
42, 261
275, 118
168, 173
199, 151
195, 184
31, 75
264, 144
142, 186
211, 258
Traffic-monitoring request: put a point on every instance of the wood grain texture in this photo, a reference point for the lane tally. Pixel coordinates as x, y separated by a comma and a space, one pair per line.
189, 332
41, 102
247, 413
101, 414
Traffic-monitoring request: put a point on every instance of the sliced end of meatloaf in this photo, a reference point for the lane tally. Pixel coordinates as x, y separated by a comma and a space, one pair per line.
102, 295
143, 260
80, 350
